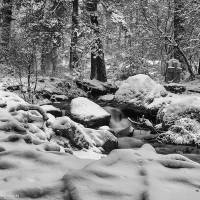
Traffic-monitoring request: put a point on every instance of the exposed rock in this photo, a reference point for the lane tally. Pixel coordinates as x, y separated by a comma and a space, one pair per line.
184, 131
175, 88
58, 98
14, 87
88, 113
181, 107
52, 110
96, 88
138, 92
48, 92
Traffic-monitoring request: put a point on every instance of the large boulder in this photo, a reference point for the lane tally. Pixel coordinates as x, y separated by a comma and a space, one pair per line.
96, 88
82, 137
65, 127
180, 107
138, 92
184, 131
88, 113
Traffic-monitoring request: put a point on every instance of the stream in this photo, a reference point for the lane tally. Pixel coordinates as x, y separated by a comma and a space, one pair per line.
192, 152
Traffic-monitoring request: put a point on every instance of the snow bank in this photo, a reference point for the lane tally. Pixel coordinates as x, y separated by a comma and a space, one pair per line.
135, 174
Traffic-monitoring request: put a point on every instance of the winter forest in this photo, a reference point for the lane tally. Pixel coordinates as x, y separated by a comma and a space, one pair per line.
100, 99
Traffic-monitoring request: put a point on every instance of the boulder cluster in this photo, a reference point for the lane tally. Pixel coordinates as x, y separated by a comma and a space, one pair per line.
46, 154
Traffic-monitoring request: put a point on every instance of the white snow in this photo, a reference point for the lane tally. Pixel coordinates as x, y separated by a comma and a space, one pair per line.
87, 110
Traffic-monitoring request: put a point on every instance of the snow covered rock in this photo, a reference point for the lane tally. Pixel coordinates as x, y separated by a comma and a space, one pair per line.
138, 92
82, 137
184, 131
102, 138
180, 107
88, 113
52, 110
66, 127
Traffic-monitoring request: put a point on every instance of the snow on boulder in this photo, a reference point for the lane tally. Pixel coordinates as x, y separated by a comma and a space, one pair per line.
180, 107
71, 130
102, 138
52, 110
82, 137
138, 92
184, 131
89, 113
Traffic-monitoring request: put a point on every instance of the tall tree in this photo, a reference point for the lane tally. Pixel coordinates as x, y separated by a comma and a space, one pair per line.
73, 63
98, 68
179, 33
5, 25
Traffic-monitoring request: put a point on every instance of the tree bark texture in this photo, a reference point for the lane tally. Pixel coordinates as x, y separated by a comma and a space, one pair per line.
73, 63
98, 68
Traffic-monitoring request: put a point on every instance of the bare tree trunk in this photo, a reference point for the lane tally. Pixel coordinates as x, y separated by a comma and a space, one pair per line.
43, 60
98, 68
5, 26
199, 68
54, 60
73, 62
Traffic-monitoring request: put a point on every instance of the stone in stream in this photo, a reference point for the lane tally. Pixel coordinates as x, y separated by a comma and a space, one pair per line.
88, 113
